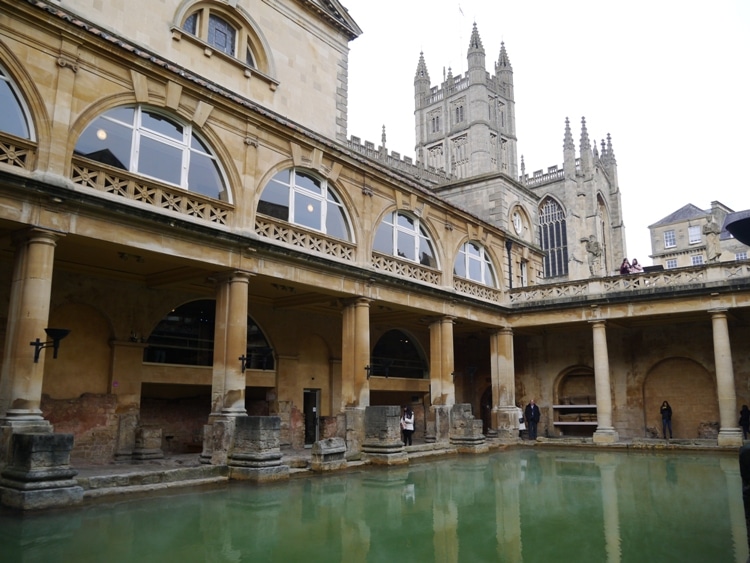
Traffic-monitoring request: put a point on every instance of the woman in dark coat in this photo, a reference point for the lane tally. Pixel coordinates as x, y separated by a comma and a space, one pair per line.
666, 419
745, 421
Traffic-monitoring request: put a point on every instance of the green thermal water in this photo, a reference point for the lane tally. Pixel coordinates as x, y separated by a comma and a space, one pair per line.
524, 505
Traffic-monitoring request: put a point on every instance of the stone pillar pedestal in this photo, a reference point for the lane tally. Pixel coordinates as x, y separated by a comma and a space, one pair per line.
256, 450
8, 427
505, 423
147, 443
328, 455
355, 431
382, 444
39, 475
466, 431
217, 439
438, 424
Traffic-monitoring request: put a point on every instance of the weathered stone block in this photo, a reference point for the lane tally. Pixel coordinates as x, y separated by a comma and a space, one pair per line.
39, 473
148, 443
328, 455
382, 443
466, 431
256, 450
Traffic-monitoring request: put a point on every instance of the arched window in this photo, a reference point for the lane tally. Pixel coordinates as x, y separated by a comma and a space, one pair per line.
402, 235
299, 197
186, 337
150, 143
396, 354
474, 263
553, 237
214, 28
13, 115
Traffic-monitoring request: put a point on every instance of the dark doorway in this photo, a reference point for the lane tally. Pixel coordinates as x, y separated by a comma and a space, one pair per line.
311, 407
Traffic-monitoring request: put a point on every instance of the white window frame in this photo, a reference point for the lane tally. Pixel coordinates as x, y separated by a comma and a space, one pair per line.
697, 260
472, 253
694, 234
414, 231
670, 264
21, 101
670, 241
740, 256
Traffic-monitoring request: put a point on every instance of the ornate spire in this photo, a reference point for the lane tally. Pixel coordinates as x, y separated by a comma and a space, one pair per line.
382, 137
596, 149
475, 43
422, 69
568, 143
585, 143
503, 62
610, 151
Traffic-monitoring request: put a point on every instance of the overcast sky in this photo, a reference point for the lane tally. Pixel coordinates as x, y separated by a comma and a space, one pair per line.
668, 79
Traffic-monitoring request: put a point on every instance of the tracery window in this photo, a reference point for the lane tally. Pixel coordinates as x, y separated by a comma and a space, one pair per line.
220, 33
150, 143
13, 116
553, 237
185, 336
403, 235
299, 197
474, 263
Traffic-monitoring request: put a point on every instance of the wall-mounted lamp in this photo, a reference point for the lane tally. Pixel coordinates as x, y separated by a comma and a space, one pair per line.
368, 369
56, 334
243, 359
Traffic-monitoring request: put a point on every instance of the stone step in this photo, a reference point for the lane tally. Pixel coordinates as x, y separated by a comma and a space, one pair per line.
95, 486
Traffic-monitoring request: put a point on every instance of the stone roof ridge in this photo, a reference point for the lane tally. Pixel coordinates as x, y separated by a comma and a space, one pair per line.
684, 213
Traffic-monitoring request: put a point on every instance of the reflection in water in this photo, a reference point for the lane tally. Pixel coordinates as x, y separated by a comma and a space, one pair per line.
521, 505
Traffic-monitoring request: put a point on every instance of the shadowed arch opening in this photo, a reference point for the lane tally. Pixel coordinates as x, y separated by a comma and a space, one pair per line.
397, 354
185, 336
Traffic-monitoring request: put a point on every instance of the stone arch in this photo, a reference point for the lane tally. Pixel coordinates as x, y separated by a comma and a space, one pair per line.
68, 377
205, 132
35, 105
398, 353
494, 260
575, 385
690, 390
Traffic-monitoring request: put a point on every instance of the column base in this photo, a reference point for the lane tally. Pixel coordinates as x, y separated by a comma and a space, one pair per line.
730, 437
606, 436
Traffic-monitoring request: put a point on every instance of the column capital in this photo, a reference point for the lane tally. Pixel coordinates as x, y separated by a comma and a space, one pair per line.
595, 322
232, 276
717, 311
504, 330
36, 233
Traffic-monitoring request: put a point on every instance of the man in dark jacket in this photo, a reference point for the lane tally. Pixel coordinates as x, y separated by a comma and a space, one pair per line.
531, 417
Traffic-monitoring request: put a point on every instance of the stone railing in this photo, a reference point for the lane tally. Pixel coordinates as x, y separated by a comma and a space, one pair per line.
130, 186
477, 290
406, 269
396, 162
678, 279
15, 151
310, 241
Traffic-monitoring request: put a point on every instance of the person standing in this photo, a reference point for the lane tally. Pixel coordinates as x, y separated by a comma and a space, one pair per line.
666, 419
531, 418
745, 421
407, 423
521, 421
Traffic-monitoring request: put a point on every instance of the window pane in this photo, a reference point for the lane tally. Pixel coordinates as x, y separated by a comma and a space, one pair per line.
221, 35
475, 270
124, 114
307, 211
191, 24
405, 221
12, 118
489, 277
405, 245
107, 142
275, 201
426, 256
249, 60
160, 161
203, 176
472, 249
162, 125
384, 239
283, 176
336, 222
307, 182
459, 268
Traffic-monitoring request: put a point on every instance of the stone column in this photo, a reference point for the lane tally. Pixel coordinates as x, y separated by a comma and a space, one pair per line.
355, 355
21, 378
607, 464
442, 389
502, 369
729, 433
605, 432
228, 381
125, 383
